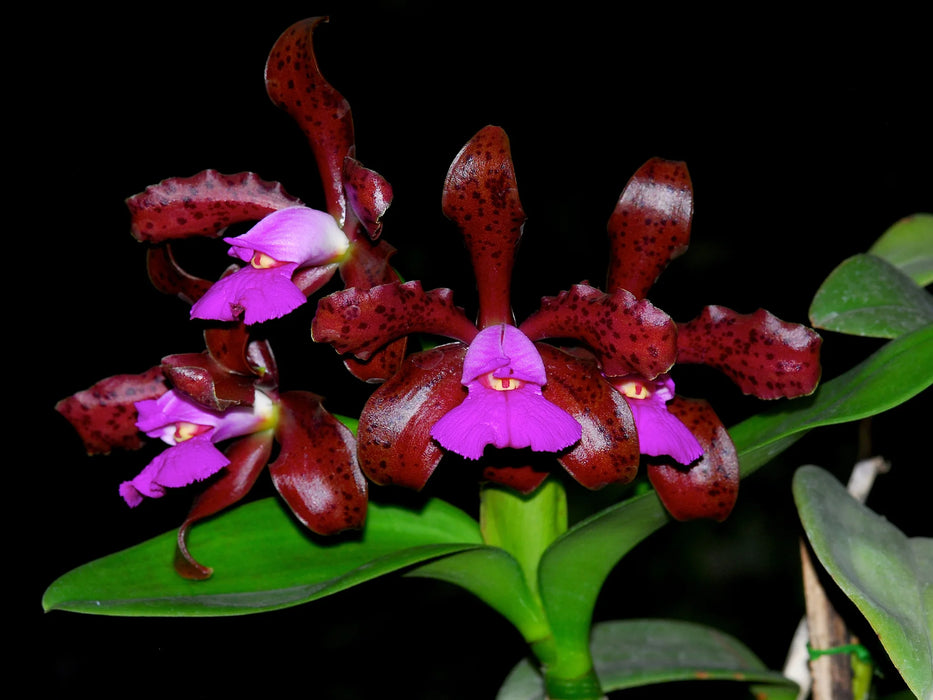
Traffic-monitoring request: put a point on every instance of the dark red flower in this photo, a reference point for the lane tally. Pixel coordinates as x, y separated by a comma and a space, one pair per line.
766, 357
316, 470
397, 438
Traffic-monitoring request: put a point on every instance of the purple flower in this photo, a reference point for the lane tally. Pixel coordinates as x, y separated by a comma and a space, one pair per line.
504, 373
191, 431
279, 245
660, 432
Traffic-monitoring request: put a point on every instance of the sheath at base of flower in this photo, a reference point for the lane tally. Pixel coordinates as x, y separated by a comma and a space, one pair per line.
277, 246
504, 373
660, 432
191, 431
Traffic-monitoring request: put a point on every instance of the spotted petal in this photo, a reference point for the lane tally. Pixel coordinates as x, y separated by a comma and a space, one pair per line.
481, 198
649, 226
360, 321
628, 335
708, 488
394, 435
203, 205
316, 471
765, 356
104, 415
607, 452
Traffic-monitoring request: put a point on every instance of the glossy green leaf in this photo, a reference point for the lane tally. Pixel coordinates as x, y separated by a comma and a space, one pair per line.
908, 245
896, 372
867, 295
263, 560
574, 567
887, 575
631, 653
496, 578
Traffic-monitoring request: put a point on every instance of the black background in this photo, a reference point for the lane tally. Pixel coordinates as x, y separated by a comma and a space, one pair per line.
805, 139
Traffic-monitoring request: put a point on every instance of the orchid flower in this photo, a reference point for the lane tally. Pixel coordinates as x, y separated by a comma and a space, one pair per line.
229, 394
497, 384
292, 250
275, 249
505, 406
191, 431
766, 357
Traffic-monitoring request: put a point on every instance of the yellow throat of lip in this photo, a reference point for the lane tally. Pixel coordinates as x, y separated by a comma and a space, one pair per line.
634, 389
185, 430
261, 261
501, 384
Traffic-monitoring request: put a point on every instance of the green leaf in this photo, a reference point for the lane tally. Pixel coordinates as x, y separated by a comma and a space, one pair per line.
899, 370
908, 245
496, 578
888, 576
263, 560
574, 568
632, 653
868, 296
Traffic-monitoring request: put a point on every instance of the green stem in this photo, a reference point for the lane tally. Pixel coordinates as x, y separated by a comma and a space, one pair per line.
525, 526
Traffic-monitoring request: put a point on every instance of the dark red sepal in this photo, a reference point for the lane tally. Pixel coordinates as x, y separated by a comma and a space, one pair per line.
524, 479
628, 335
367, 266
360, 321
481, 198
104, 415
607, 452
248, 455
168, 277
650, 225
208, 382
708, 488
203, 205
295, 84
316, 471
765, 356
394, 434
369, 195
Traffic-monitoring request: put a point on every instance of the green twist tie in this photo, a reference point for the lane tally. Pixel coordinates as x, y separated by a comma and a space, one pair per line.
861, 653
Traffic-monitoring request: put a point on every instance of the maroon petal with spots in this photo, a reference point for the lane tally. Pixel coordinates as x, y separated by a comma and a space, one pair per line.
168, 277
481, 198
316, 471
208, 382
203, 205
104, 415
366, 266
650, 225
709, 487
765, 356
360, 321
248, 455
369, 195
294, 83
394, 434
627, 334
607, 452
